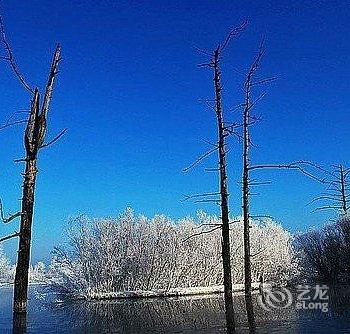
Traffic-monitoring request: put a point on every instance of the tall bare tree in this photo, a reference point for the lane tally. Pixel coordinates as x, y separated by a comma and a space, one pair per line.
223, 130
249, 120
34, 141
225, 229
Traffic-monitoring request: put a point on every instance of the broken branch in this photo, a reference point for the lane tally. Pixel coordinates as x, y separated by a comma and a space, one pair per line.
10, 218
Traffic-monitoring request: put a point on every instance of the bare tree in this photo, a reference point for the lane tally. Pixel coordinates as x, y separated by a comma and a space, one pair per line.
225, 229
249, 120
220, 147
34, 140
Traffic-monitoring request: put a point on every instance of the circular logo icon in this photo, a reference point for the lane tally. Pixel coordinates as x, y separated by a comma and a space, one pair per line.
275, 299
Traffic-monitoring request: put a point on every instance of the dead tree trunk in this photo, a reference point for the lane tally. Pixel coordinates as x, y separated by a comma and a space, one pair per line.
247, 183
34, 140
245, 190
248, 120
34, 137
220, 147
343, 190
225, 230
22, 269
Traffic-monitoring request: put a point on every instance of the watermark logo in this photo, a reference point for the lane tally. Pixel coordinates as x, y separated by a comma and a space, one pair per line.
275, 299
306, 298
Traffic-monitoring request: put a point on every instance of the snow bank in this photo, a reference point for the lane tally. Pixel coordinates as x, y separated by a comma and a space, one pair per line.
175, 292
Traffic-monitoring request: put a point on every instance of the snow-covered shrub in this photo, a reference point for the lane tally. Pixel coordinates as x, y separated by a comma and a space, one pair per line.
272, 253
136, 253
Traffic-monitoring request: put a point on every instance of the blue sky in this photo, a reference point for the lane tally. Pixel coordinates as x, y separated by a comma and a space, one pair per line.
128, 93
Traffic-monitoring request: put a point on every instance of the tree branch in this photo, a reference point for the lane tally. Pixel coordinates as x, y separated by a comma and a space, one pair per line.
328, 207
262, 183
233, 33
216, 201
200, 159
11, 59
55, 139
187, 197
259, 252
293, 165
325, 198
7, 125
264, 81
49, 86
261, 216
202, 232
10, 218
16, 234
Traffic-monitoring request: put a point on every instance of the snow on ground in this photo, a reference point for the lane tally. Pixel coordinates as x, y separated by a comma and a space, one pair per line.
175, 292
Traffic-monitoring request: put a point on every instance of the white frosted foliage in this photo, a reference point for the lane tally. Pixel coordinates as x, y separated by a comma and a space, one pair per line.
135, 253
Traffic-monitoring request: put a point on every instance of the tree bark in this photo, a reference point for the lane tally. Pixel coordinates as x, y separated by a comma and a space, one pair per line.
245, 193
226, 258
22, 268
21, 278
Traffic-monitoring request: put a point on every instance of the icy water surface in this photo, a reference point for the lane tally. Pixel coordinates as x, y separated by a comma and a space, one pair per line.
173, 315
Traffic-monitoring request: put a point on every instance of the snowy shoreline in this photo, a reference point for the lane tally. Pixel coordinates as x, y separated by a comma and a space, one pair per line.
159, 293
9, 284
175, 292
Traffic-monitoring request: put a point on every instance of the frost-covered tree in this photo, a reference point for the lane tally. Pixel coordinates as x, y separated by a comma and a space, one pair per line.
6, 269
133, 253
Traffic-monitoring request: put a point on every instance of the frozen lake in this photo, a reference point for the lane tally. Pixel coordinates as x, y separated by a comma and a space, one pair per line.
173, 315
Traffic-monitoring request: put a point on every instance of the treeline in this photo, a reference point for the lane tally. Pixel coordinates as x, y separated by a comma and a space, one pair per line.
133, 252
325, 252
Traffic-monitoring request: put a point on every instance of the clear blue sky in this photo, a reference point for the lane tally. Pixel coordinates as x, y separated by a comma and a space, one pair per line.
128, 93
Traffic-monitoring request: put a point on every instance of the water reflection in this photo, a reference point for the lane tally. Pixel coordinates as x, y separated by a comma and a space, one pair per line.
202, 314
140, 316
187, 315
